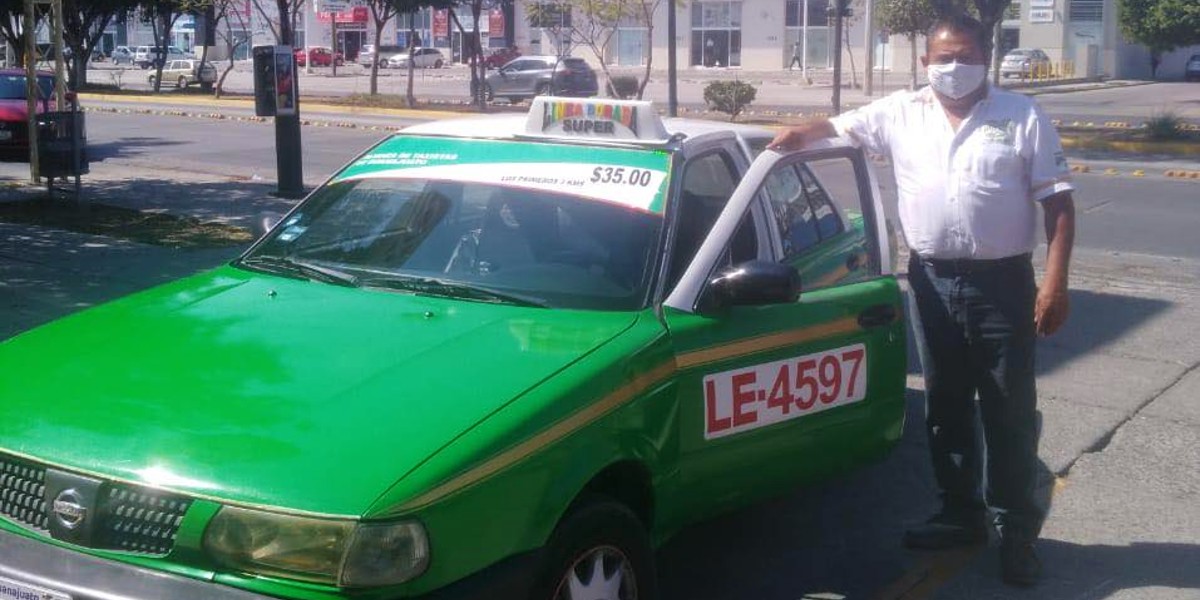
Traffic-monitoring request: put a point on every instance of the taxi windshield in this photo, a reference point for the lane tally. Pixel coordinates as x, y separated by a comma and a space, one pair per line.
460, 238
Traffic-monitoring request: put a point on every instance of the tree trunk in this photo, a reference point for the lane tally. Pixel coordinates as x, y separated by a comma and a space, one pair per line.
912, 48
850, 55
409, 98
379, 23
649, 55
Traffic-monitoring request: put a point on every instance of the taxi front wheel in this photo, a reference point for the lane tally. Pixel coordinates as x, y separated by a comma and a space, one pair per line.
600, 550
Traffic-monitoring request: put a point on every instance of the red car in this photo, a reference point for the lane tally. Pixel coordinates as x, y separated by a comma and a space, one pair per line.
320, 57
498, 58
14, 112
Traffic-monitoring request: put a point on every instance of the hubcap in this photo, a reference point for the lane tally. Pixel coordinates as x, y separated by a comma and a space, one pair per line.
602, 573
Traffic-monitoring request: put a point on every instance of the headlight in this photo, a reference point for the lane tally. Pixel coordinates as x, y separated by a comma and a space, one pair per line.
333, 552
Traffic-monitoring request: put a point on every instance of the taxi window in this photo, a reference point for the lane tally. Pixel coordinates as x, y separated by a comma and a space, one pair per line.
819, 218
708, 182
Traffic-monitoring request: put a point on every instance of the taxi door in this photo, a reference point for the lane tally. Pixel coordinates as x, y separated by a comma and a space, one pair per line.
774, 388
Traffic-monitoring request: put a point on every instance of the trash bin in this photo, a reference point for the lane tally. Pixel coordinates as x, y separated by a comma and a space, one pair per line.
62, 144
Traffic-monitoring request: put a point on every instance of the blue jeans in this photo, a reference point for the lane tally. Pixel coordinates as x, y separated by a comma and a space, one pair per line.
977, 319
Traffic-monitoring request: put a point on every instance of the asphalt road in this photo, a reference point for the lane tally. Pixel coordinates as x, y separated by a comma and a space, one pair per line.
780, 91
1151, 215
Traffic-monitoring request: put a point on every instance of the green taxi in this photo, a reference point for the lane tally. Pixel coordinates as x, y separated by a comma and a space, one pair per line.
496, 357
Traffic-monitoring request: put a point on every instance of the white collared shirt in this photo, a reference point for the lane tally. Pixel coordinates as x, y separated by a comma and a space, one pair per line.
970, 193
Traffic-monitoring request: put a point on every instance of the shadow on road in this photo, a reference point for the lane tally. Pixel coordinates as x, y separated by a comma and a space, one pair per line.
1089, 572
838, 537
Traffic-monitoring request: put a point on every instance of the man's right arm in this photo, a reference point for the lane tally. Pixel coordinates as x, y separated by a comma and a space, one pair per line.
794, 138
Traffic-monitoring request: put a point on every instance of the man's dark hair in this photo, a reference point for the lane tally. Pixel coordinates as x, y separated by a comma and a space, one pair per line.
962, 24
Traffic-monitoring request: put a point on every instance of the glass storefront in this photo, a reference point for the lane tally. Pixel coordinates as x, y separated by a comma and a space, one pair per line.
818, 43
716, 34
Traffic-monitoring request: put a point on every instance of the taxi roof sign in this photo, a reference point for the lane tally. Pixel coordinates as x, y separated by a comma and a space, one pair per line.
596, 119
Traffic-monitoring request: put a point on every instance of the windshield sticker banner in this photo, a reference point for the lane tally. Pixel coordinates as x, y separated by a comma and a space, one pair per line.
633, 178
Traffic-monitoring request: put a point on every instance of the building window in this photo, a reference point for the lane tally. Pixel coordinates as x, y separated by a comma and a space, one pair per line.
818, 13
717, 34
550, 15
1087, 10
1013, 12
815, 40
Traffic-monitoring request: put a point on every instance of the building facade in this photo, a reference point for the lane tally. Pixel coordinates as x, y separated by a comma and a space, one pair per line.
1080, 36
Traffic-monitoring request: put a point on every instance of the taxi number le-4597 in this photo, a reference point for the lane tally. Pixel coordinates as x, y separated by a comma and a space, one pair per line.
743, 399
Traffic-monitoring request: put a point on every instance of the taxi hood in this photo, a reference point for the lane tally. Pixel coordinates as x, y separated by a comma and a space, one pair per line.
264, 390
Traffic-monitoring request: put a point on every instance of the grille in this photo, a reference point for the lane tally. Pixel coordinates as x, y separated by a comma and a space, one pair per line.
140, 521
22, 493
131, 518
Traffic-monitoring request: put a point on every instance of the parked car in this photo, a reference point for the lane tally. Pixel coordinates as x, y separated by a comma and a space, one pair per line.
149, 56
184, 72
368, 52
320, 56
498, 58
1024, 62
122, 55
530, 76
14, 110
423, 58
498, 357
1191, 72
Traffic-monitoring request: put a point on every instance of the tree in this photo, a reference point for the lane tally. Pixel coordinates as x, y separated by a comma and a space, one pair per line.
644, 11
12, 12
286, 16
472, 46
554, 17
162, 15
229, 13
383, 11
84, 22
909, 18
1160, 25
594, 24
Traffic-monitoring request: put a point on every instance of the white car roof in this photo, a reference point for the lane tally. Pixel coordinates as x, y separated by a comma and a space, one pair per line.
512, 125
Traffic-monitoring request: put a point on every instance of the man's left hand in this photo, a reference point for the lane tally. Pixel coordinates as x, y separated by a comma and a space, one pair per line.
1050, 311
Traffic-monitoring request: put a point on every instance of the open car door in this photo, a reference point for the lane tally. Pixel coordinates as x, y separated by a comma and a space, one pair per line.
790, 368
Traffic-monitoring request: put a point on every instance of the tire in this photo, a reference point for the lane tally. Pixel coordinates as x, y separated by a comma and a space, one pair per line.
543, 89
488, 93
151, 80
599, 533
437, 64
182, 83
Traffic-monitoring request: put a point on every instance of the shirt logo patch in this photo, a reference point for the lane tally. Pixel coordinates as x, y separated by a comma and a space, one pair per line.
1002, 131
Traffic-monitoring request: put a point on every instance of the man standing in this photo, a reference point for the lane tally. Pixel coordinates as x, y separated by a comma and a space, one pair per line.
797, 57
971, 163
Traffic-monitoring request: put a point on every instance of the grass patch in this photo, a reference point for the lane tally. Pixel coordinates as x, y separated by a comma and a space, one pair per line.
1166, 126
124, 223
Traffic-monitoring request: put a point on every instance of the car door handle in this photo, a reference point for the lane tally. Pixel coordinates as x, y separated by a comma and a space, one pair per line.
876, 316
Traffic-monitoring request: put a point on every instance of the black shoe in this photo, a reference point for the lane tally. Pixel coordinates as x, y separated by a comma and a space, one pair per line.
948, 530
1019, 564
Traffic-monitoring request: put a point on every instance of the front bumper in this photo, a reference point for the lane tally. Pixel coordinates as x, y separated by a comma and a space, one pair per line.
84, 577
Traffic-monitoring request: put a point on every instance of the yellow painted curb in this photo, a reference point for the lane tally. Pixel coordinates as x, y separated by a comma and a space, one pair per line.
209, 101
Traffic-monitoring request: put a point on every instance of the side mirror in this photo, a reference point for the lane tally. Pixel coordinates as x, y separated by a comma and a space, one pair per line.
753, 283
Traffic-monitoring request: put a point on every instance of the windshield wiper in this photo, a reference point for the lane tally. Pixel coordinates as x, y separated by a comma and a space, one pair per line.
304, 269
430, 286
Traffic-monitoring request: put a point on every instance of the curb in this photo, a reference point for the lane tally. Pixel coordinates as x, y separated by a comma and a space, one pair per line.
248, 103
1138, 173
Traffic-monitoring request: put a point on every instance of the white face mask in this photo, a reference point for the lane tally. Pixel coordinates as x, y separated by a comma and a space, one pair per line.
956, 80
